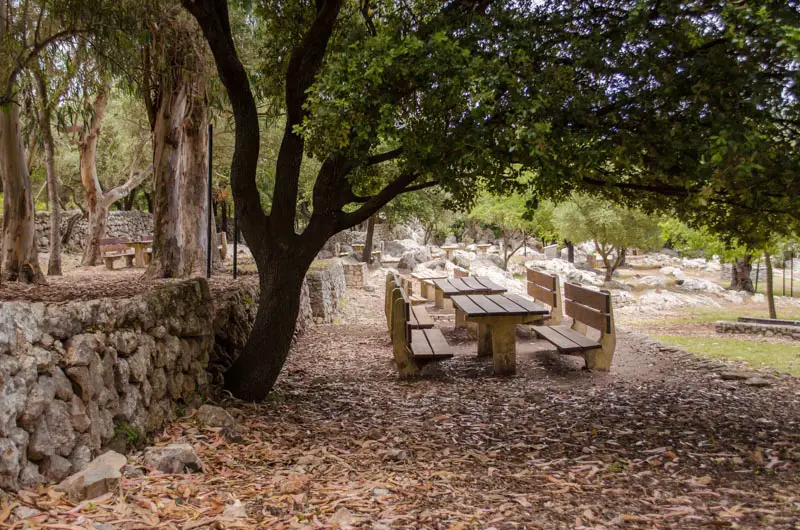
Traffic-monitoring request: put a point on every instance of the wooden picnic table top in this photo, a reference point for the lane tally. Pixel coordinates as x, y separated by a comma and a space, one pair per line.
429, 274
497, 305
449, 247
468, 285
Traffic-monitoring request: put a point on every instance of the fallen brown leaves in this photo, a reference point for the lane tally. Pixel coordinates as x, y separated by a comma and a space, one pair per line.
343, 443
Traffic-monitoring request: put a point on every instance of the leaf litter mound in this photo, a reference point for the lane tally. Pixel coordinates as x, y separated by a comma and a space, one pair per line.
662, 442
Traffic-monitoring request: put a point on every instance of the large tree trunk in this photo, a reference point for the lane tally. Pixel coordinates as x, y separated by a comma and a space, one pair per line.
54, 263
19, 253
167, 138
181, 200
770, 291
193, 189
570, 251
366, 256
740, 274
281, 280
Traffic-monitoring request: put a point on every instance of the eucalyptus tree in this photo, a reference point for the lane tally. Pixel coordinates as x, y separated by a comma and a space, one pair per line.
616, 96
27, 28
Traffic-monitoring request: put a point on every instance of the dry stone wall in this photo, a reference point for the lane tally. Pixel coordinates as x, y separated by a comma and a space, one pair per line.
355, 275
123, 224
752, 328
73, 373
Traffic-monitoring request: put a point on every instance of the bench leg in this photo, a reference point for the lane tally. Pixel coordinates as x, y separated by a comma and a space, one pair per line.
109, 263
484, 340
447, 303
504, 347
129, 261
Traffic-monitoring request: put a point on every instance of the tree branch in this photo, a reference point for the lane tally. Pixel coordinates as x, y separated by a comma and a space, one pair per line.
400, 185
384, 157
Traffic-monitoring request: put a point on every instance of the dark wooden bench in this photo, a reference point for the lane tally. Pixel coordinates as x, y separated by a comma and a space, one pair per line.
412, 346
588, 309
545, 289
114, 248
419, 317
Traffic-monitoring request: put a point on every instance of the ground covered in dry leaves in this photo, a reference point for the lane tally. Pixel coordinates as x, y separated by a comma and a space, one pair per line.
661, 442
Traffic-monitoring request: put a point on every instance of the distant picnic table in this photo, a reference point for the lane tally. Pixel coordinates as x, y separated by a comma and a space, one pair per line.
497, 317
426, 277
449, 287
449, 249
139, 247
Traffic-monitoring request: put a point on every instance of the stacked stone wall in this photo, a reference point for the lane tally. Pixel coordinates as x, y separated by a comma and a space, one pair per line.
74, 376
355, 275
123, 224
765, 330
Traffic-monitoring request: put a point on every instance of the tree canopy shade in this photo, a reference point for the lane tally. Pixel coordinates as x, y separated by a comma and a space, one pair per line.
691, 100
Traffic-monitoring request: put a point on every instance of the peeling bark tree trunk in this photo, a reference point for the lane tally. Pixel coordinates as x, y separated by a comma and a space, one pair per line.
193, 189
54, 263
20, 256
167, 136
98, 202
740, 274
180, 146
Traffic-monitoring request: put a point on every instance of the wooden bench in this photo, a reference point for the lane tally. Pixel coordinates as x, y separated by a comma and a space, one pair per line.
419, 317
412, 346
114, 248
588, 309
545, 288
408, 286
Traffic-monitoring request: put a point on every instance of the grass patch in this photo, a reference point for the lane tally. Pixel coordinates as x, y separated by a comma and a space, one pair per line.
769, 355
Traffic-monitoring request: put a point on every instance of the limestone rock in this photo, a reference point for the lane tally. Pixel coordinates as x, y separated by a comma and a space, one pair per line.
80, 376
173, 458
55, 468
235, 510
215, 416
733, 376
99, 477
53, 433
63, 387
82, 349
9, 464
42, 395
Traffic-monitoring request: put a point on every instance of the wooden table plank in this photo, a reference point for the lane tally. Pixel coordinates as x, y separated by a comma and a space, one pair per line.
445, 286
460, 285
489, 285
491, 308
506, 303
465, 304
473, 283
527, 305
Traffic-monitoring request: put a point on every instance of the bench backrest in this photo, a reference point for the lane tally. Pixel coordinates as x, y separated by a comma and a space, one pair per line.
589, 307
394, 290
460, 272
112, 244
545, 288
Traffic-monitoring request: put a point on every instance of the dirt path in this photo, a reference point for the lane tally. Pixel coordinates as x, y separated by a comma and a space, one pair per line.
660, 442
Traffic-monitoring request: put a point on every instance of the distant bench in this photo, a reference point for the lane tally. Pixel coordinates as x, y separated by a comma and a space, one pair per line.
414, 339
113, 249
588, 309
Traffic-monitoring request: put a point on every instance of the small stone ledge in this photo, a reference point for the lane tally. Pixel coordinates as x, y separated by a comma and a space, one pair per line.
764, 330
327, 286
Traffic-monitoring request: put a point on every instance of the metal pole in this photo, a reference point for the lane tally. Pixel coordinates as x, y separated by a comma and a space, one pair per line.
210, 216
784, 275
791, 284
235, 239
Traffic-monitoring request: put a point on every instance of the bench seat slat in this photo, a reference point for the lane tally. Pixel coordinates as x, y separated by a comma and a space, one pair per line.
420, 319
565, 339
430, 344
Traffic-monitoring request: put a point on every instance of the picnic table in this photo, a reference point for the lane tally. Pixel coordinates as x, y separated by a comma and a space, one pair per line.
448, 249
483, 247
447, 288
497, 317
426, 278
139, 248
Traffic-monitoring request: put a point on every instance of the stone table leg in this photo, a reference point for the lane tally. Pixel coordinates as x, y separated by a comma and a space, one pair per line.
504, 346
439, 300
484, 340
461, 319
139, 256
